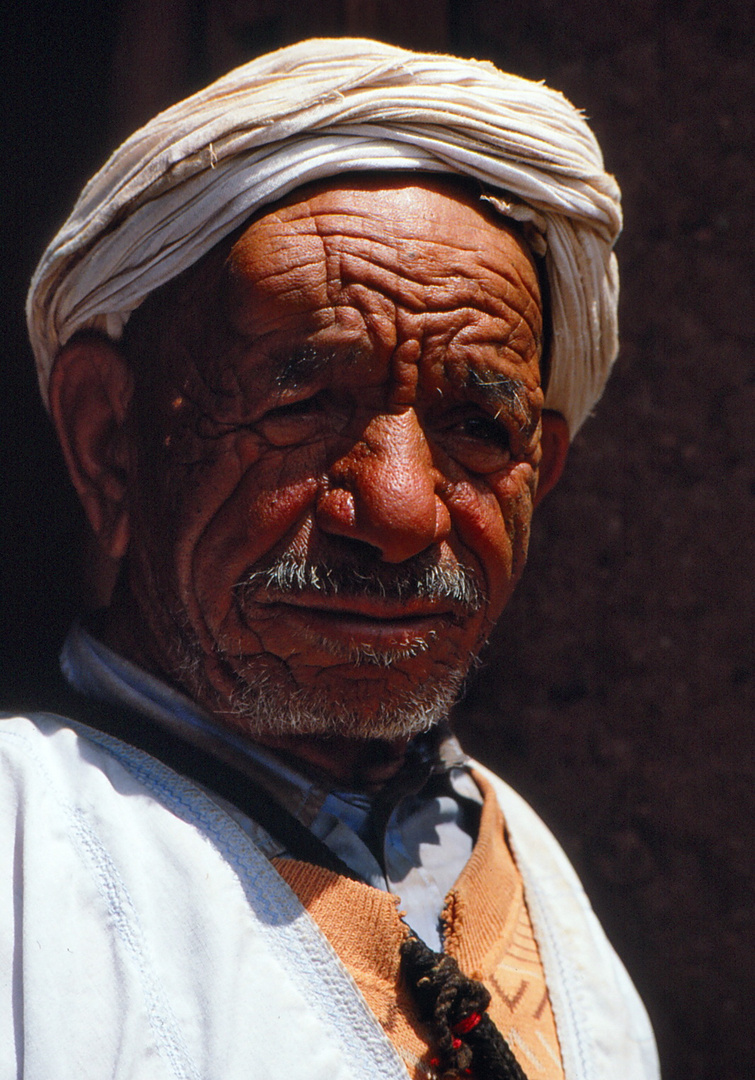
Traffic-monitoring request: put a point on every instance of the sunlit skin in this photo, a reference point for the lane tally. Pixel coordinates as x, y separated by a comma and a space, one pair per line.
354, 378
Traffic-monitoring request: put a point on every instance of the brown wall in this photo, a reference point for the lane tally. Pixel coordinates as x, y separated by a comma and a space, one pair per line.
618, 691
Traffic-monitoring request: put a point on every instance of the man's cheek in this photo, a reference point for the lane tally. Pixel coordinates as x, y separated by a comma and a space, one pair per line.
516, 502
481, 520
492, 520
225, 497
244, 530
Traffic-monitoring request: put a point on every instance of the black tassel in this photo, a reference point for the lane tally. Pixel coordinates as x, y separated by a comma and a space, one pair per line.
466, 1041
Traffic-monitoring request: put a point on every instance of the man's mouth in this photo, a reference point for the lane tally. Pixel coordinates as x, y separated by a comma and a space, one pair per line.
365, 610
362, 622
381, 609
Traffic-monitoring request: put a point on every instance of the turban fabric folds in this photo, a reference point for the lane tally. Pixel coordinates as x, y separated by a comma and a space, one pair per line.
197, 171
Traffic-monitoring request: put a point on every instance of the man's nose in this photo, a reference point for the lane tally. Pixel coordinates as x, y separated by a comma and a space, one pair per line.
384, 492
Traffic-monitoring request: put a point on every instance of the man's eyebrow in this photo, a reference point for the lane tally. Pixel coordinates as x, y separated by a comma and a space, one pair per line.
298, 365
499, 392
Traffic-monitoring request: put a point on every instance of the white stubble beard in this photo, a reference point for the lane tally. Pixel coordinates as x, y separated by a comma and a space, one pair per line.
265, 700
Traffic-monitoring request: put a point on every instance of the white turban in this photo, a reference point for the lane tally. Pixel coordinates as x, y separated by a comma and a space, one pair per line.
199, 170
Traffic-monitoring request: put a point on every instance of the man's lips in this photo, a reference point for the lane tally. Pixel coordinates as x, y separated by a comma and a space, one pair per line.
369, 608
361, 620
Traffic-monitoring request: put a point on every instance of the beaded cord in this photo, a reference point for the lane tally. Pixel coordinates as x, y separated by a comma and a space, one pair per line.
467, 1042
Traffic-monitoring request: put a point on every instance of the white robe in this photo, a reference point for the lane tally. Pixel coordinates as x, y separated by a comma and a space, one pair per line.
144, 936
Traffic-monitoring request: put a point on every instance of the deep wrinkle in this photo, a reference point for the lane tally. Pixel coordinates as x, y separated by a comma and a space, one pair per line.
388, 408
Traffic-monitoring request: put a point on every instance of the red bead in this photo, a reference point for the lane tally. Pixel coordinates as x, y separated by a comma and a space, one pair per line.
467, 1023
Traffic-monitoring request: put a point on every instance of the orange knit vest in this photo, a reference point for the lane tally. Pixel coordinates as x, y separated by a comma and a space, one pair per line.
486, 928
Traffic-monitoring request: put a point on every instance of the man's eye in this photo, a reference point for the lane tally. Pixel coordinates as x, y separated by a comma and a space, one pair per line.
486, 429
479, 443
305, 407
296, 421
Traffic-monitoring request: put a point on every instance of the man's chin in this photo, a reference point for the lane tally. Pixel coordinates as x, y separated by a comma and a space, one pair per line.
359, 709
373, 694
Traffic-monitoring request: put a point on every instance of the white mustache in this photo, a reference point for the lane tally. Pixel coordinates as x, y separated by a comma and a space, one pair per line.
417, 579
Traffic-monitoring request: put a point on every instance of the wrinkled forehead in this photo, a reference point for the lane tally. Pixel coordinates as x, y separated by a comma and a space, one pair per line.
418, 242
388, 209
410, 237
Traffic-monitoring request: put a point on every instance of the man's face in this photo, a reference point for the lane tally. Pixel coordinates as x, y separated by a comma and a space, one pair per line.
335, 457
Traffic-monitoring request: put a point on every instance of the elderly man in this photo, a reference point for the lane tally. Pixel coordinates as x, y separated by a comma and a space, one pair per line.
314, 342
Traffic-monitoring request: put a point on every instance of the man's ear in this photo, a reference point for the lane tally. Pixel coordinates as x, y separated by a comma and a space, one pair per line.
554, 445
90, 392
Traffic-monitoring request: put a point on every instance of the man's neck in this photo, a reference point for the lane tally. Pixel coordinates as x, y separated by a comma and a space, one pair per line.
357, 764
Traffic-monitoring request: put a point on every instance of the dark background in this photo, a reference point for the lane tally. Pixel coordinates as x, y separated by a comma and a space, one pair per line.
617, 694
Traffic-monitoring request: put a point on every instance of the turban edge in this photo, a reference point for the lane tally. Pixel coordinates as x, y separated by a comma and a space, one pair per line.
314, 110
